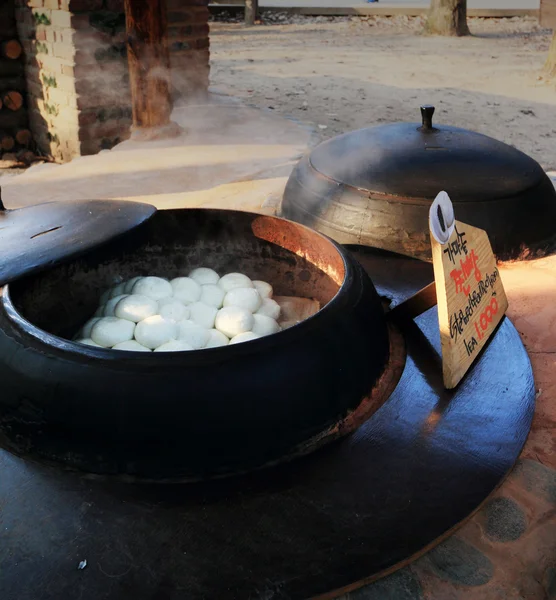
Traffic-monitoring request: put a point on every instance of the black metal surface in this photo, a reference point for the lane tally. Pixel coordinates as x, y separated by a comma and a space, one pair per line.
190, 414
375, 186
427, 112
416, 469
415, 161
43, 235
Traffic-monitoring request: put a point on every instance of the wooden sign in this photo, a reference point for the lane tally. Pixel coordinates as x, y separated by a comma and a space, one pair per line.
548, 14
471, 298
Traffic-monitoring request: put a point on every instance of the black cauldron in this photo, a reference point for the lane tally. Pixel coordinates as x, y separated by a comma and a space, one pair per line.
375, 186
190, 414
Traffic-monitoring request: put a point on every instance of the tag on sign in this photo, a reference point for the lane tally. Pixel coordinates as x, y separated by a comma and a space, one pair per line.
470, 295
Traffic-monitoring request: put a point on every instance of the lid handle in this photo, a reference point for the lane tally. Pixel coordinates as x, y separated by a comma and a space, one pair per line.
427, 111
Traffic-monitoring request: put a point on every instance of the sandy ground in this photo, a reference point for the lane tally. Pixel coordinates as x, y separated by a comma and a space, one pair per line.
340, 74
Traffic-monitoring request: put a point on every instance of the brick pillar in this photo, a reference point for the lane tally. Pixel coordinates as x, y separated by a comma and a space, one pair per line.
77, 75
47, 37
188, 41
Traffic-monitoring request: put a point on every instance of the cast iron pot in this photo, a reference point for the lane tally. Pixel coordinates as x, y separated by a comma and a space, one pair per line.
190, 414
375, 187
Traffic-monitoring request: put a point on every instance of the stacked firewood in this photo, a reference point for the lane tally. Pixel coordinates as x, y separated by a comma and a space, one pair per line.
16, 142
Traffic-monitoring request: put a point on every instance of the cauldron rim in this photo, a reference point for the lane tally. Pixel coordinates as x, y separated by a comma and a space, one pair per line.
203, 414
58, 343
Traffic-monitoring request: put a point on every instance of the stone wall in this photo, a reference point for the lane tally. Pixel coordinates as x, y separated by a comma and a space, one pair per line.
77, 74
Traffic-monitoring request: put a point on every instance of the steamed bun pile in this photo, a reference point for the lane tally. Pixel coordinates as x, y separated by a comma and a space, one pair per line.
202, 310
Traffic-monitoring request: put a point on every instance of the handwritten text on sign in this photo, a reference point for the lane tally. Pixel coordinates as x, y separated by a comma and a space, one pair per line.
471, 299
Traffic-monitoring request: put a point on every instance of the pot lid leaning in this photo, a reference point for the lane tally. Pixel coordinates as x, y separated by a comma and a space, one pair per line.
374, 187
37, 237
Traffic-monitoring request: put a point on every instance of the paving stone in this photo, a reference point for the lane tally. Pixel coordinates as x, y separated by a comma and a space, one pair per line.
401, 585
457, 561
550, 583
537, 478
505, 520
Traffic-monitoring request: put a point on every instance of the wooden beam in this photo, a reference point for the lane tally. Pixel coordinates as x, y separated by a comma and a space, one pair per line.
550, 65
447, 17
251, 11
149, 68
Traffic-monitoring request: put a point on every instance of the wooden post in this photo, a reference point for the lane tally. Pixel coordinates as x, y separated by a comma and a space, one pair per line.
550, 64
447, 17
548, 19
149, 69
251, 11
548, 14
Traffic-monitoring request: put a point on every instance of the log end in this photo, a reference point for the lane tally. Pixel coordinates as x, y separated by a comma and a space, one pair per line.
12, 49
13, 100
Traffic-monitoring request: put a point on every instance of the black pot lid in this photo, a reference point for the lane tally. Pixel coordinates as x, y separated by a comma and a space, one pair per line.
418, 160
40, 236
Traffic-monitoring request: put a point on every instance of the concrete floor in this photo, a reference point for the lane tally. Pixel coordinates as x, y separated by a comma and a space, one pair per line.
228, 155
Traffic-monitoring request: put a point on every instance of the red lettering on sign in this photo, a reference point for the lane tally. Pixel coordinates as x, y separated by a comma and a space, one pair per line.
468, 265
486, 317
457, 276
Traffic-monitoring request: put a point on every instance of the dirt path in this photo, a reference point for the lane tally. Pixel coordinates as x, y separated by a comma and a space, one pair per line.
346, 73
